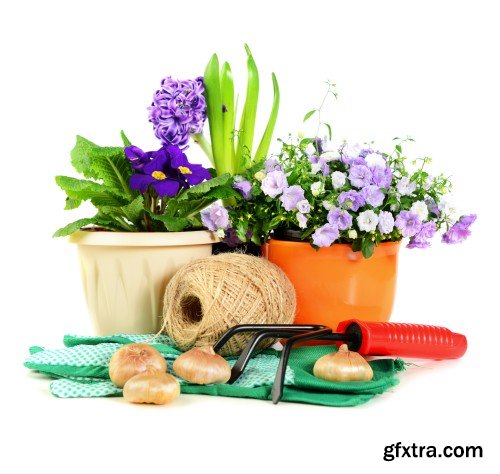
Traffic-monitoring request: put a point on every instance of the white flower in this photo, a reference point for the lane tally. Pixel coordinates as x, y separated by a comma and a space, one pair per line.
394, 207
375, 160
420, 209
352, 234
311, 149
220, 233
406, 187
303, 206
317, 188
428, 183
315, 168
328, 205
302, 220
259, 176
367, 221
449, 210
330, 156
351, 151
338, 179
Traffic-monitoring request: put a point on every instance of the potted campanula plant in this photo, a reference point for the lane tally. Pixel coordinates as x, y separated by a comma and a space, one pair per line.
333, 218
147, 222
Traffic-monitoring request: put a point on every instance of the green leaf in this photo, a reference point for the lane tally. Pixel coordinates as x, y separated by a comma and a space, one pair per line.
72, 203
204, 187
247, 124
241, 230
228, 116
329, 128
213, 97
73, 227
135, 210
79, 190
125, 140
108, 164
309, 114
173, 224
367, 247
265, 142
356, 245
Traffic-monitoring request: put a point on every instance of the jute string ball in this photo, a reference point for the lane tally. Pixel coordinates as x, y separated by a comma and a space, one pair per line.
210, 295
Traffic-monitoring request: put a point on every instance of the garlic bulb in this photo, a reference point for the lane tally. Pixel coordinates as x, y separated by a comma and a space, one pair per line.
134, 359
157, 388
201, 365
342, 366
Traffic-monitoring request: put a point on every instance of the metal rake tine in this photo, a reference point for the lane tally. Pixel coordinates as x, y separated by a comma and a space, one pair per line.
252, 344
277, 391
258, 327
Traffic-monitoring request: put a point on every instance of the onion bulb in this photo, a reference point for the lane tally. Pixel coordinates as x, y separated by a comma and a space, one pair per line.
343, 366
201, 365
134, 359
158, 388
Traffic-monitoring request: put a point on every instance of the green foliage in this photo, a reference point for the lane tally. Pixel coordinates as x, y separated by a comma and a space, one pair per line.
108, 171
232, 150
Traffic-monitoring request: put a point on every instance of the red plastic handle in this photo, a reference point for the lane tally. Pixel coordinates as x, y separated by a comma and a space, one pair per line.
406, 340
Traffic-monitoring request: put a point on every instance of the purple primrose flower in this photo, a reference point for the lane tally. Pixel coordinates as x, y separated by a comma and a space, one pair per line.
459, 231
274, 183
272, 164
351, 200
215, 217
325, 236
382, 177
165, 170
178, 109
291, 197
408, 223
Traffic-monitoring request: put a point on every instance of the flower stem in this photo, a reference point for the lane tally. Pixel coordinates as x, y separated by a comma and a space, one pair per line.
204, 144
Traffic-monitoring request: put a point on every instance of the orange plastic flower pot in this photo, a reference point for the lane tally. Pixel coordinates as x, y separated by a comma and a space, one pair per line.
334, 284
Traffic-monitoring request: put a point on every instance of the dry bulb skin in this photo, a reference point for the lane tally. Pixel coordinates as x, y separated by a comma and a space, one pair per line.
157, 388
201, 365
343, 366
134, 359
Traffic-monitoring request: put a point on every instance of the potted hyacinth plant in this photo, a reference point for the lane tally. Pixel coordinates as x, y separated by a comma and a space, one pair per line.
333, 218
147, 222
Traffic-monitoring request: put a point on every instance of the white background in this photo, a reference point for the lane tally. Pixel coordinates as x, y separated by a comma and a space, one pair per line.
427, 69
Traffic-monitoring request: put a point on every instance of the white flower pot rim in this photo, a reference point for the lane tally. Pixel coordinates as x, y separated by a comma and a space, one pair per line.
143, 239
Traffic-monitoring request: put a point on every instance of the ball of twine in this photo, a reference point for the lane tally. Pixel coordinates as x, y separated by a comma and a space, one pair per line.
210, 295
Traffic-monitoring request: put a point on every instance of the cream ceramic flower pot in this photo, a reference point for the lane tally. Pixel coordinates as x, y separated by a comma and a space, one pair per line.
125, 274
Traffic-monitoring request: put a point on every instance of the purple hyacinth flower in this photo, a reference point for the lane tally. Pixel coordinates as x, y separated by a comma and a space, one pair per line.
215, 217
382, 177
340, 218
291, 196
274, 183
385, 222
178, 109
351, 200
459, 231
373, 195
408, 223
360, 175
243, 186
137, 157
325, 236
421, 239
